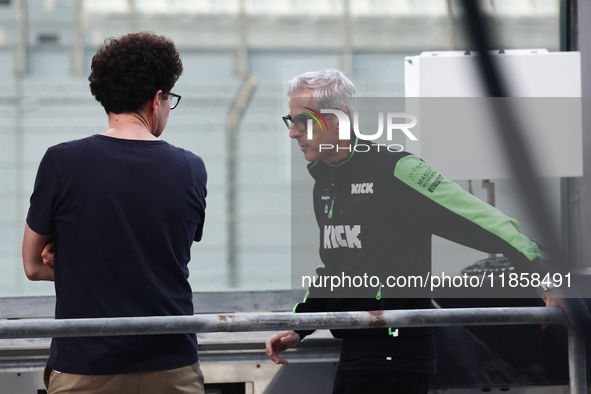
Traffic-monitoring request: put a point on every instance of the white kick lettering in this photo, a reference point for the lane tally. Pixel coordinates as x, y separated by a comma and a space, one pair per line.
342, 236
362, 188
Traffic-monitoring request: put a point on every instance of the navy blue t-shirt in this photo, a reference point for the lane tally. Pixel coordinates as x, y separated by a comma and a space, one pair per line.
125, 213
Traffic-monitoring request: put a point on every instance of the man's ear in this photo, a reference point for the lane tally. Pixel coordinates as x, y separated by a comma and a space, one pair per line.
338, 125
346, 113
155, 102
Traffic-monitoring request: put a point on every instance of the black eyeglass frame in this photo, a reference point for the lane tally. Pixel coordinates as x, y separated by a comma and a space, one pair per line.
173, 95
288, 120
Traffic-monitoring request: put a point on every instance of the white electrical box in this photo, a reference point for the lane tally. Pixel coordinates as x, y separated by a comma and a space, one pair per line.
456, 129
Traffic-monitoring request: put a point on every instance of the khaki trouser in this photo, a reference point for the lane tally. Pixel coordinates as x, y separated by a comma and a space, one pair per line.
187, 380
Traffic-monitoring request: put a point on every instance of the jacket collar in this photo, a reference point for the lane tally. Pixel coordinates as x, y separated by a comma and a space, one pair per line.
319, 168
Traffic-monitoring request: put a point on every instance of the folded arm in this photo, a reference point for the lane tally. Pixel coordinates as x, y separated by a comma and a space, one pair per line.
33, 246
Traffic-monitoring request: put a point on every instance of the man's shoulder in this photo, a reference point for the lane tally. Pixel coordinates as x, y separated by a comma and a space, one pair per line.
389, 155
192, 158
186, 157
73, 144
383, 159
73, 147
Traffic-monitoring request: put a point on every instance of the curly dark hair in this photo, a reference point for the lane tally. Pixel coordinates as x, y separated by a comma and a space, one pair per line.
128, 71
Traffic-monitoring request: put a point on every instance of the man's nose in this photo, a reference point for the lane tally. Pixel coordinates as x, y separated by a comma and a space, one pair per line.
294, 132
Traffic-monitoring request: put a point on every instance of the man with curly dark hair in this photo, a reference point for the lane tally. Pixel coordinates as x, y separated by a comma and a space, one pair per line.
112, 220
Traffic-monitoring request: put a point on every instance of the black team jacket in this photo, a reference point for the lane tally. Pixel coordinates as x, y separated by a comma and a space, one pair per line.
376, 213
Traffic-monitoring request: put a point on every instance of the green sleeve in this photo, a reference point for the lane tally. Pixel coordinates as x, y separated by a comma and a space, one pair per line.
442, 207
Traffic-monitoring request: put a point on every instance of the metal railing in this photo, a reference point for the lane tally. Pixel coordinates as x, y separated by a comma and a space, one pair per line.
41, 328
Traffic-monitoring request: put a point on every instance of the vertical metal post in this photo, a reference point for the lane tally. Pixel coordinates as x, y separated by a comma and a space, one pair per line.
490, 188
232, 126
20, 71
493, 6
573, 24
570, 188
231, 185
347, 52
134, 22
241, 61
20, 63
451, 33
577, 368
78, 49
578, 35
570, 220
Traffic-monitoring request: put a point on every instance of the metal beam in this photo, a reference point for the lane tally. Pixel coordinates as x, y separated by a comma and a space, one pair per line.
41, 328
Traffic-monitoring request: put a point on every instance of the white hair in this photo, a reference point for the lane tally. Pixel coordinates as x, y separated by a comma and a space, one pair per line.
330, 88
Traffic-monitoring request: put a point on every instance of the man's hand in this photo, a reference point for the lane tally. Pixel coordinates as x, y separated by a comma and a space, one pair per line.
575, 308
47, 254
280, 342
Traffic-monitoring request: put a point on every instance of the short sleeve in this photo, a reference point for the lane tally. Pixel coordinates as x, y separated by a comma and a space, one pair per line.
44, 199
200, 184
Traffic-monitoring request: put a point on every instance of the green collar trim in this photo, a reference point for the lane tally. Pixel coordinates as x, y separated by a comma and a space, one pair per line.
350, 156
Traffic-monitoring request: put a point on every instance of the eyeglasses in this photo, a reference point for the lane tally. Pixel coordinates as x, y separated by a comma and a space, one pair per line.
300, 121
175, 99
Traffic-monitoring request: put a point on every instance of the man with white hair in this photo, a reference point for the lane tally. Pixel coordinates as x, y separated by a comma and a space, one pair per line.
377, 211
